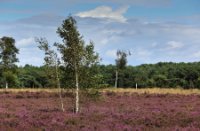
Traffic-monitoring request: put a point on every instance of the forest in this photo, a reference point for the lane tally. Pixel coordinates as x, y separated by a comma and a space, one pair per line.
163, 74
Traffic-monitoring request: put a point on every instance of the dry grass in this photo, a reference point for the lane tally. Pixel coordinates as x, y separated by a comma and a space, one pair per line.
156, 90
130, 90
29, 90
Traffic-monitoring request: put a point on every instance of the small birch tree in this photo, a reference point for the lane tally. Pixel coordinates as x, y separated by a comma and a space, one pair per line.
51, 61
121, 62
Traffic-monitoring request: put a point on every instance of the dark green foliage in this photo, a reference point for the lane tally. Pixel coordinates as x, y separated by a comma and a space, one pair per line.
121, 60
72, 52
72, 48
89, 71
51, 62
121, 63
10, 77
166, 75
169, 75
8, 58
93, 94
30, 76
8, 52
79, 60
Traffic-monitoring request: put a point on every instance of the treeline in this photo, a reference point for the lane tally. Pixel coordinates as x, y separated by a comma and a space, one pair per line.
166, 75
163, 75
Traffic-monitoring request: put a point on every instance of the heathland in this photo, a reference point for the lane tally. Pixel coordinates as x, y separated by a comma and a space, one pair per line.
107, 109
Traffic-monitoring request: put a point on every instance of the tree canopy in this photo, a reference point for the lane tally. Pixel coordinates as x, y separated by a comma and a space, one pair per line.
8, 58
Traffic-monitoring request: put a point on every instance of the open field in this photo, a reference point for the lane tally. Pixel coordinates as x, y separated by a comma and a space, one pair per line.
111, 109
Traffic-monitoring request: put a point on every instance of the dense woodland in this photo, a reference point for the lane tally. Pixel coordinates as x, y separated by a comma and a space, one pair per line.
185, 75
80, 65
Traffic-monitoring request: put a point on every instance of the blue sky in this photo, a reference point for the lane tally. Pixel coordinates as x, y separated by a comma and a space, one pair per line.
153, 30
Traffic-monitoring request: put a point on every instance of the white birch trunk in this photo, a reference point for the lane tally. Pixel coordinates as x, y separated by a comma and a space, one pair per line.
136, 86
77, 89
60, 91
116, 79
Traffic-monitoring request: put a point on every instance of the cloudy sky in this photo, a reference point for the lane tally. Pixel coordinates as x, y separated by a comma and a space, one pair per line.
153, 30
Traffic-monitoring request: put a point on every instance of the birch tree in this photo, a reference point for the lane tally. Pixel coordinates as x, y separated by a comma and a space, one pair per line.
121, 62
51, 62
74, 52
90, 75
8, 58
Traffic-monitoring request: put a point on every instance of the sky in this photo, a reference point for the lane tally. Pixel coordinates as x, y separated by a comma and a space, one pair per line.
152, 30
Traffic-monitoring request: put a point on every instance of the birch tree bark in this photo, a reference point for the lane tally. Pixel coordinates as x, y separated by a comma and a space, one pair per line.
77, 89
116, 79
60, 90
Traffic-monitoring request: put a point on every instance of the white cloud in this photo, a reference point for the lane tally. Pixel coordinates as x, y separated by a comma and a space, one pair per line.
25, 42
141, 2
196, 54
142, 53
106, 12
174, 45
32, 56
104, 41
35, 60
111, 53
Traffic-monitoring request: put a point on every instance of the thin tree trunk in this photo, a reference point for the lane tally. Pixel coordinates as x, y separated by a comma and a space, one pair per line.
136, 86
60, 91
6, 85
77, 89
116, 79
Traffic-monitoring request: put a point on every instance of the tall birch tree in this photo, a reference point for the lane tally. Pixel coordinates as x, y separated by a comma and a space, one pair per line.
72, 50
75, 54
